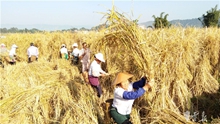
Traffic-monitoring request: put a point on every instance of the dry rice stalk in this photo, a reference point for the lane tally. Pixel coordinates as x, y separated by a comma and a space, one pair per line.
174, 61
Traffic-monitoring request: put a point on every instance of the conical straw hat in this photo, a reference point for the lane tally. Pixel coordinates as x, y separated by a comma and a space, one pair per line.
122, 76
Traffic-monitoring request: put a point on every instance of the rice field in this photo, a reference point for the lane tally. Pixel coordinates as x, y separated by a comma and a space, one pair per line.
184, 62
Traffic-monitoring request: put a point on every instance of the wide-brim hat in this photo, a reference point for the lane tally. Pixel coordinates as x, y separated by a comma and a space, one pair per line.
75, 45
3, 44
100, 57
122, 76
14, 46
63, 45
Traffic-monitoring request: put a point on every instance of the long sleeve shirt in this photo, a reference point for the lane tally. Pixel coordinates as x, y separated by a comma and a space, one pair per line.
75, 52
124, 99
85, 53
32, 51
63, 50
3, 51
95, 69
12, 52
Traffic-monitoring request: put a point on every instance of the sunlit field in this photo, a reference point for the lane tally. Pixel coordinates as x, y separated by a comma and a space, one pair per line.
184, 62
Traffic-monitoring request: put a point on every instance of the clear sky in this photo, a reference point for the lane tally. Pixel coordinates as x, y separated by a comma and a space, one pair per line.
87, 13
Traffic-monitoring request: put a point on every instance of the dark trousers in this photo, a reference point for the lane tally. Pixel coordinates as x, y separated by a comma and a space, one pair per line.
119, 118
98, 89
75, 60
29, 59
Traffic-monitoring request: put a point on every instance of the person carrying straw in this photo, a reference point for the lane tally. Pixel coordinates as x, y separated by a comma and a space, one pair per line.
75, 54
96, 71
32, 53
124, 95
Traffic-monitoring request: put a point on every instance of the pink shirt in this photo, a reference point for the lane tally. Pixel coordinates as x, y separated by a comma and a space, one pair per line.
86, 58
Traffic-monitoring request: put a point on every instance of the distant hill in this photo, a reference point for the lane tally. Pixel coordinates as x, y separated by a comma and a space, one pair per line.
183, 23
187, 23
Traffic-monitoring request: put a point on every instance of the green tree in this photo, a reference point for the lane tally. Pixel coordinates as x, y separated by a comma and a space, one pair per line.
25, 30
211, 18
13, 30
4, 30
161, 22
73, 29
83, 29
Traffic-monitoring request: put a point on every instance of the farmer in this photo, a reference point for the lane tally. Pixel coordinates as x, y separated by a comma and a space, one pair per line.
12, 54
96, 71
32, 53
84, 56
3, 52
75, 54
124, 96
63, 52
3, 49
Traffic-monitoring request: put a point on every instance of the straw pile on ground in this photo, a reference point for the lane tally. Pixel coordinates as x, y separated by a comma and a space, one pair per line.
36, 93
184, 62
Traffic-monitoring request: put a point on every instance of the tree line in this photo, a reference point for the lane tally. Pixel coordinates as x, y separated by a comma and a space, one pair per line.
16, 30
34, 30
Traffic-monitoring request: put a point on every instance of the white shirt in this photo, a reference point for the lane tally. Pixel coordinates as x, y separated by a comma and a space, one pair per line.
3, 50
12, 52
63, 50
95, 69
32, 51
75, 52
124, 106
